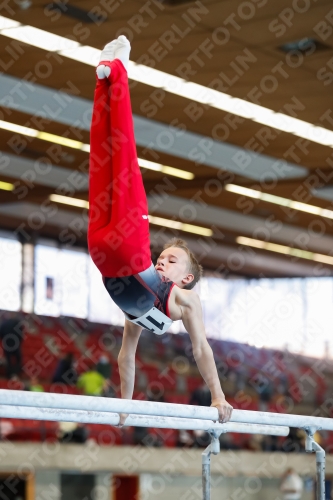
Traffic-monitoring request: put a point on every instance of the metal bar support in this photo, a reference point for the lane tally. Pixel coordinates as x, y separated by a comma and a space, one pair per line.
213, 447
310, 447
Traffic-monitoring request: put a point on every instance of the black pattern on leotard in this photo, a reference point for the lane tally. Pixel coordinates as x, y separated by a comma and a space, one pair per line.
137, 294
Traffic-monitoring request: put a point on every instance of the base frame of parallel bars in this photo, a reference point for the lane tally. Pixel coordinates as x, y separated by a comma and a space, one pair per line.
312, 447
213, 447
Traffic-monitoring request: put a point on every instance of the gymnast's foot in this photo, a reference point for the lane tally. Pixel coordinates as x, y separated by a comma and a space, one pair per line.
107, 54
123, 49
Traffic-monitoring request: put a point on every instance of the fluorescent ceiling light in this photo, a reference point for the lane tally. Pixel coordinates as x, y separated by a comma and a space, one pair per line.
170, 83
5, 22
183, 174
158, 167
159, 221
83, 54
12, 127
278, 200
293, 252
44, 136
149, 164
6, 186
58, 139
86, 148
189, 228
39, 38
66, 200
70, 143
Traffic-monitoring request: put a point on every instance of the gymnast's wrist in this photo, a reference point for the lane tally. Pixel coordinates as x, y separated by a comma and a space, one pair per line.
218, 400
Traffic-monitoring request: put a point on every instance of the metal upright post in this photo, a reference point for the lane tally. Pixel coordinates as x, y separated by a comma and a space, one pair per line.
312, 446
206, 473
213, 447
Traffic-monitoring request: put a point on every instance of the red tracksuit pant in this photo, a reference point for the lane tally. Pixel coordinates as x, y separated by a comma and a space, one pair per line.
118, 231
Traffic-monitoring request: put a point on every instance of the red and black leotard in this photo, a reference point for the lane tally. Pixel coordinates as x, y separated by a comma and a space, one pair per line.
138, 293
118, 231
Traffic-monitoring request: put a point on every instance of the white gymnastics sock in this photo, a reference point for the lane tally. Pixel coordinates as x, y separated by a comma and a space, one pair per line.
123, 49
107, 54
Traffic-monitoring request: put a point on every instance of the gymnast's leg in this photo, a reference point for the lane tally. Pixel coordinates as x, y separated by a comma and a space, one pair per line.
118, 231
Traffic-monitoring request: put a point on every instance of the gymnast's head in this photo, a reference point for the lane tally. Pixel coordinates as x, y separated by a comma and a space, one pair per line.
179, 264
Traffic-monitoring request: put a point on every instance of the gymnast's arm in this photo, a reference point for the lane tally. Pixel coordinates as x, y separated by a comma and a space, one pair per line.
126, 359
202, 352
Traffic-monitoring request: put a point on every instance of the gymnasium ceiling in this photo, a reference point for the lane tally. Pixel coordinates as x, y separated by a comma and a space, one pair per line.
237, 47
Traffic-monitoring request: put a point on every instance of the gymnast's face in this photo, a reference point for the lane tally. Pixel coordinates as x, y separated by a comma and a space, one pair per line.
173, 263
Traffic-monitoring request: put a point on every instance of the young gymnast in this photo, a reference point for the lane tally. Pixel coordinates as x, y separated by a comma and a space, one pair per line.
151, 297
